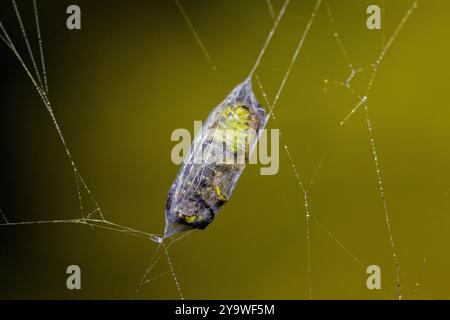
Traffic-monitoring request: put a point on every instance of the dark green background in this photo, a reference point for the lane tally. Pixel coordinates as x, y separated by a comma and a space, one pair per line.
134, 73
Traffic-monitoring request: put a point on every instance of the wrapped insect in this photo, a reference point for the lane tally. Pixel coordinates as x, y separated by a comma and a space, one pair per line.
215, 161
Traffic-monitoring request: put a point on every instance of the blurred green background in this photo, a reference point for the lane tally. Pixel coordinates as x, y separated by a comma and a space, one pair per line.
134, 73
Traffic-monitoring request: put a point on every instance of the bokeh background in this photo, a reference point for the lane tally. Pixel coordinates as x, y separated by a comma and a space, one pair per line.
134, 73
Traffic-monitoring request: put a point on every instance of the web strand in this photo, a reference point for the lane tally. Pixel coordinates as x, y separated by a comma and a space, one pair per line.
301, 184
195, 34
49, 108
363, 102
155, 259
294, 167
271, 11
4, 217
95, 223
172, 270
268, 39
27, 42
41, 46
295, 56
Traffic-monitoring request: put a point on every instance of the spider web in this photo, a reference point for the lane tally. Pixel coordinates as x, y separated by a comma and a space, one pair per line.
362, 102
96, 218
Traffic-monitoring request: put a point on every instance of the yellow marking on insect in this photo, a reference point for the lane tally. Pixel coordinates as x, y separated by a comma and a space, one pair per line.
219, 194
189, 219
235, 127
